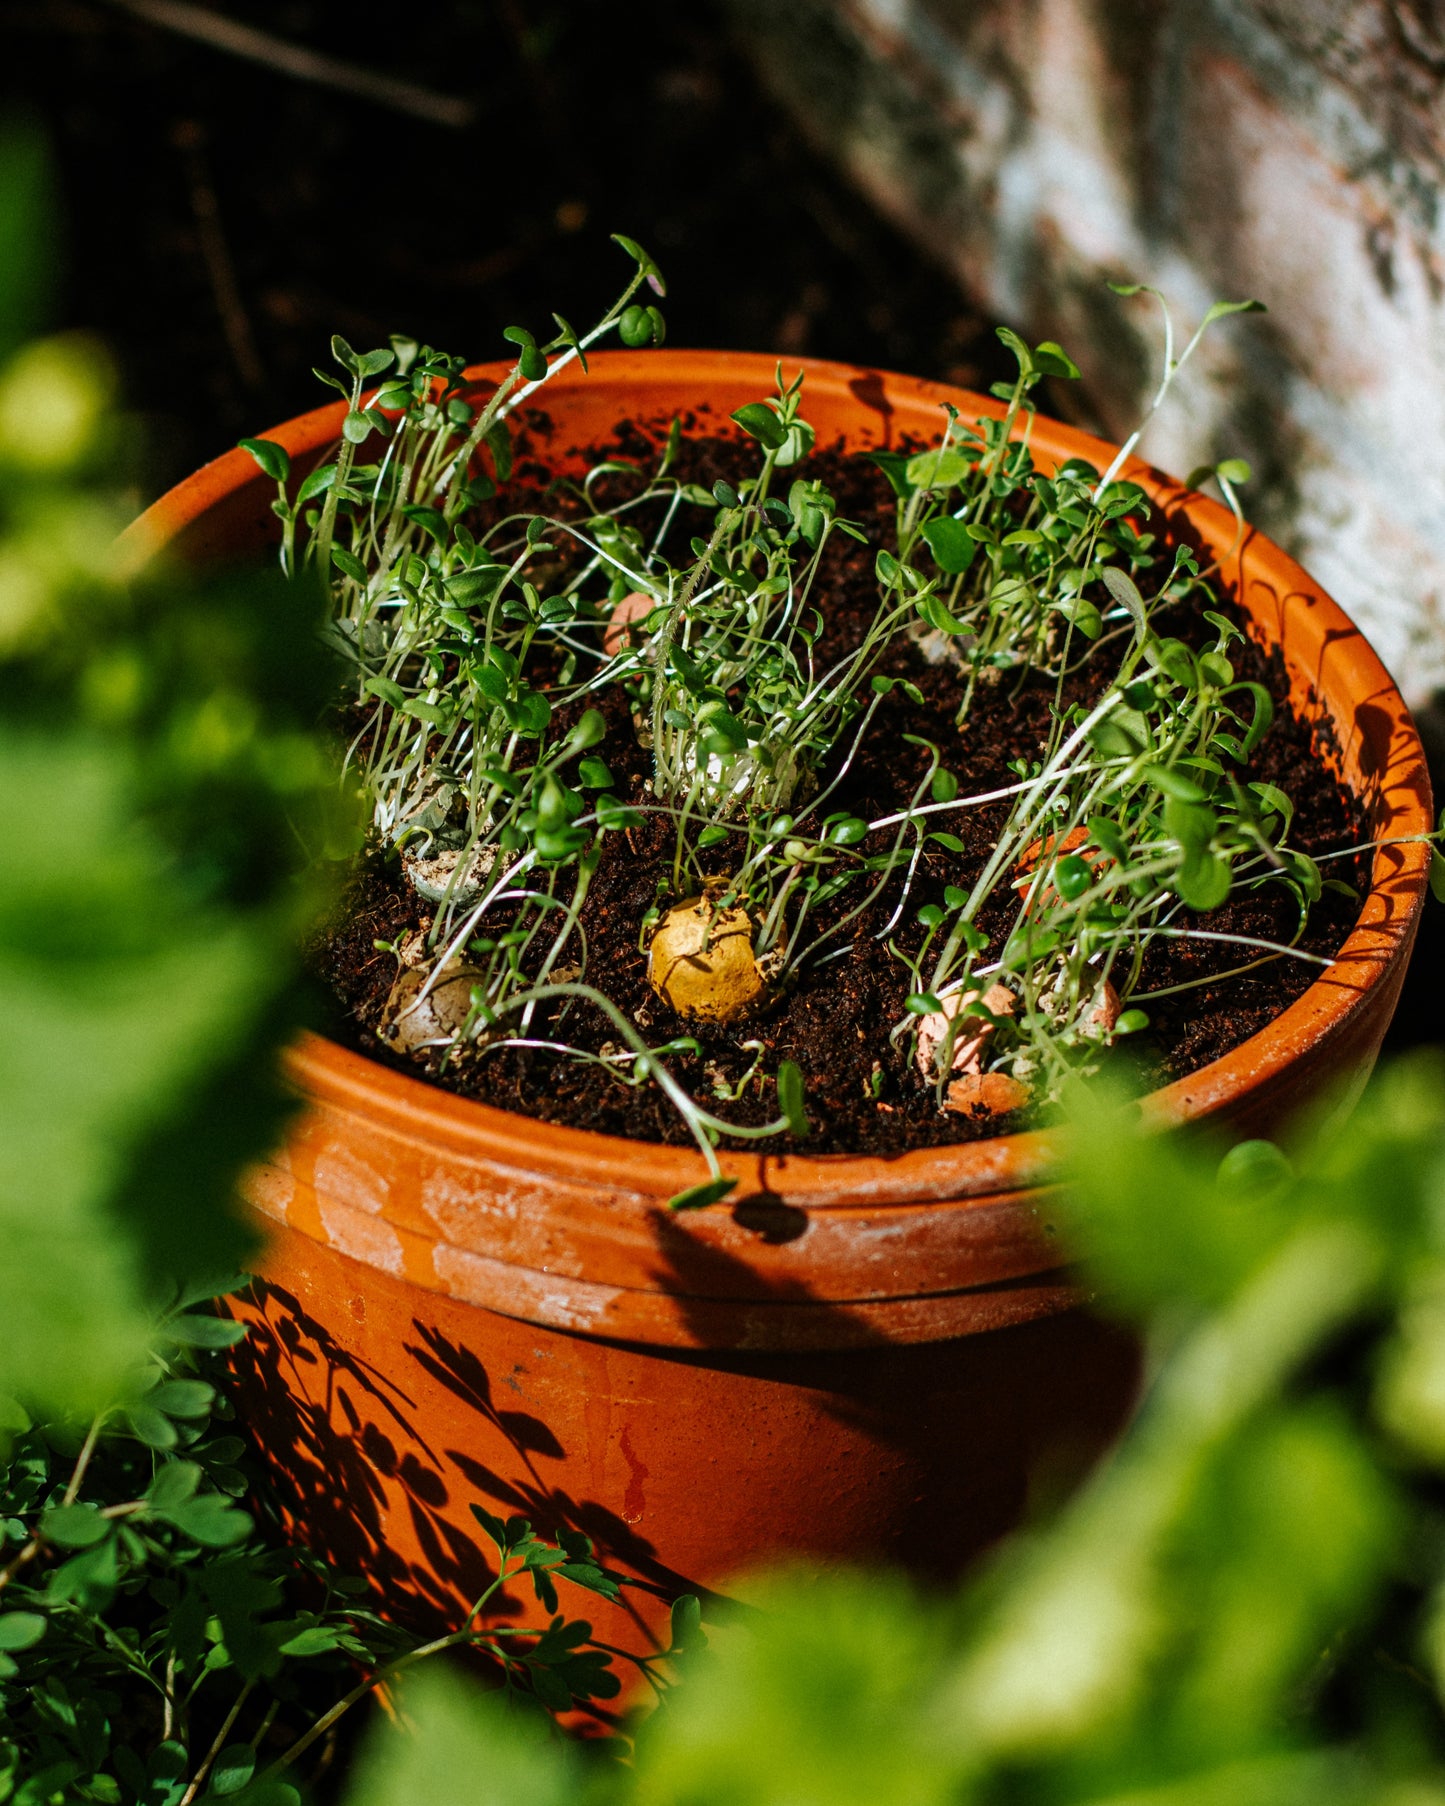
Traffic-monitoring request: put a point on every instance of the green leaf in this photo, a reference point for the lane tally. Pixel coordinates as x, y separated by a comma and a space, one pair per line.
759, 421
274, 1792
150, 1426
894, 466
315, 1639
932, 609
348, 564
1203, 880
1263, 718
1007, 336
593, 773
20, 1630
182, 1398
499, 442
952, 545
493, 1526
1174, 659
232, 1769
1053, 360
1219, 309
685, 1623
644, 263
1122, 587
1437, 875
639, 326
698, 1197
590, 730
590, 1577
202, 1332
790, 1099
1170, 782
317, 483
90, 1577
173, 1483
211, 1520
273, 458
74, 1526
938, 469
1192, 824
356, 427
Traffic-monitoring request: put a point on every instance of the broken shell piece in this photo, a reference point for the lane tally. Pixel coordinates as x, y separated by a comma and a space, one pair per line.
412, 1021
701, 961
988, 1093
1054, 847
430, 874
1103, 1011
620, 631
972, 1037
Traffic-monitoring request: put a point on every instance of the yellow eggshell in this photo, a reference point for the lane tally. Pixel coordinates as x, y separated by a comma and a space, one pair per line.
701, 961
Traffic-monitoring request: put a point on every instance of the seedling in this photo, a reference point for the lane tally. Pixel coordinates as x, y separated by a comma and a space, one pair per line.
490, 633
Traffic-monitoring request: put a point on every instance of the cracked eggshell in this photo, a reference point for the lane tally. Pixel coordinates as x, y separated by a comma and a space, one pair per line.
1053, 847
1103, 1011
430, 875
990, 1093
969, 1045
701, 962
619, 631
411, 1021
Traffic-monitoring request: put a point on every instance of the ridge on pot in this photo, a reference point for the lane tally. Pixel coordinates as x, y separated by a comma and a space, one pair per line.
849, 1355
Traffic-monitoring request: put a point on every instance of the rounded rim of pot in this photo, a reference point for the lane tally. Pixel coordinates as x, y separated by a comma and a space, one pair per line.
1371, 956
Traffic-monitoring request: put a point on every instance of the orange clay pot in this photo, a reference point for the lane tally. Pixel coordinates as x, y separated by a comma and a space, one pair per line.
854, 1357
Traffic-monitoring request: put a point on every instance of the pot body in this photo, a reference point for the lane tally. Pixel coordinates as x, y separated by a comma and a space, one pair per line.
851, 1357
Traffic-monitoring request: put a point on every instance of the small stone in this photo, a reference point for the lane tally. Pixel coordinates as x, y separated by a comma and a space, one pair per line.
701, 961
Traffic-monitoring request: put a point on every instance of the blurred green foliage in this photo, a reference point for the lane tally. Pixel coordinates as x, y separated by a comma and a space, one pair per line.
162, 781
156, 1644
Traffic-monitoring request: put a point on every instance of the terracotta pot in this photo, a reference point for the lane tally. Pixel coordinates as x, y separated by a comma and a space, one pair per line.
859, 1357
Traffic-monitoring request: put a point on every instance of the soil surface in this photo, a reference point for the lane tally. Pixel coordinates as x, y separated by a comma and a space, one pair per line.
862, 1094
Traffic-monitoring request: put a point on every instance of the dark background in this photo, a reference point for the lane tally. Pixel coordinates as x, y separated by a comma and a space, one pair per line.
220, 218
225, 218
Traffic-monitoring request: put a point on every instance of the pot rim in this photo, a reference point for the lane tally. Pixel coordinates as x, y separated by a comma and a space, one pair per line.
417, 1110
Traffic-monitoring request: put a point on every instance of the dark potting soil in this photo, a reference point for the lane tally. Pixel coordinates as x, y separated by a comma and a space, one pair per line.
862, 1096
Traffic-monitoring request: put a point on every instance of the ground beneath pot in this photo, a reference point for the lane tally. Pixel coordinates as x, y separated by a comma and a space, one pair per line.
862, 1094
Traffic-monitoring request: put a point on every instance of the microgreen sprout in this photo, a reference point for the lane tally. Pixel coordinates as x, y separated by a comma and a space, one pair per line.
491, 634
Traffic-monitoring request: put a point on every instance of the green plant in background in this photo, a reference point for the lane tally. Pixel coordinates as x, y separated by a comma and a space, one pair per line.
151, 1641
164, 790
1244, 1605
159, 1645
